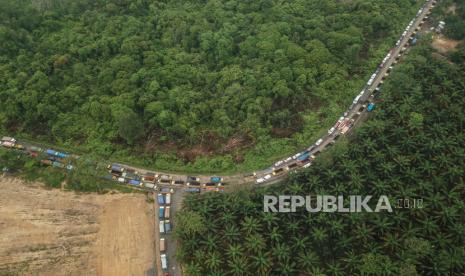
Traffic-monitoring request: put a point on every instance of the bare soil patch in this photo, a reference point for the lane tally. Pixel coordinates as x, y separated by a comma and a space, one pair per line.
444, 45
51, 232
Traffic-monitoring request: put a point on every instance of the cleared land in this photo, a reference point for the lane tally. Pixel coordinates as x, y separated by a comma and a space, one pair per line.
444, 45
51, 232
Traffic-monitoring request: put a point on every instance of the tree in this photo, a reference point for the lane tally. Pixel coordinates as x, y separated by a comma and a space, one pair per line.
130, 127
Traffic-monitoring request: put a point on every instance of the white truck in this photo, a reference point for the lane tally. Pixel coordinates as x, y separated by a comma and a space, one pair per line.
164, 262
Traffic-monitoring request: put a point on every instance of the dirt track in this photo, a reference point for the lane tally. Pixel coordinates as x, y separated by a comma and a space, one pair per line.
50, 232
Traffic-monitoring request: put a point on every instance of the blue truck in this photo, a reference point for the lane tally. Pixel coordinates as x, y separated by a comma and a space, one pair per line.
370, 107
161, 199
161, 212
216, 179
134, 182
303, 157
56, 153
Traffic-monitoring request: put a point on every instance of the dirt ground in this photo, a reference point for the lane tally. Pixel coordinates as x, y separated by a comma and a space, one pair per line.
51, 232
444, 45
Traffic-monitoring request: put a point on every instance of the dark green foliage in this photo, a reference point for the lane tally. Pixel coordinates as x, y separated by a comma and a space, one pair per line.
455, 23
104, 74
413, 147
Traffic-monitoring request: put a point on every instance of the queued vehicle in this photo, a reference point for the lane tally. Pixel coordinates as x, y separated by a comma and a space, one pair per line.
162, 245
149, 177
370, 107
164, 261
193, 190
216, 179
161, 212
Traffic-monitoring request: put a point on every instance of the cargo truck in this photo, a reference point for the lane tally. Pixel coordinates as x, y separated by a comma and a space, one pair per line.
168, 199
57, 164
116, 168
162, 227
216, 179
161, 199
193, 190
162, 245
167, 226
149, 185
164, 262
134, 182
161, 212
370, 107
167, 212
149, 177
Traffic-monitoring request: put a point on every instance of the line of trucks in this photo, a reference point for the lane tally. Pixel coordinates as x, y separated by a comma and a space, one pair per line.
49, 157
165, 227
304, 159
152, 180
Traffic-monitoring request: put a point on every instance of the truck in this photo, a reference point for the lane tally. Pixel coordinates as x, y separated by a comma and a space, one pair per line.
149, 177
166, 190
192, 179
134, 182
216, 179
164, 262
167, 212
193, 190
8, 144
168, 199
162, 227
149, 185
370, 107
161, 212
8, 139
167, 226
278, 171
116, 168
56, 153
46, 162
161, 199
162, 245
57, 164
303, 157
35, 149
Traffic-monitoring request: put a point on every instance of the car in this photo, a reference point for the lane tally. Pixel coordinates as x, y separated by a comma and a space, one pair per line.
307, 165
277, 164
260, 180
319, 142
296, 155
266, 177
288, 159
331, 130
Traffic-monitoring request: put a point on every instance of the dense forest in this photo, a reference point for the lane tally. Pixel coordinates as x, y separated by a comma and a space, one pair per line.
149, 78
412, 148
